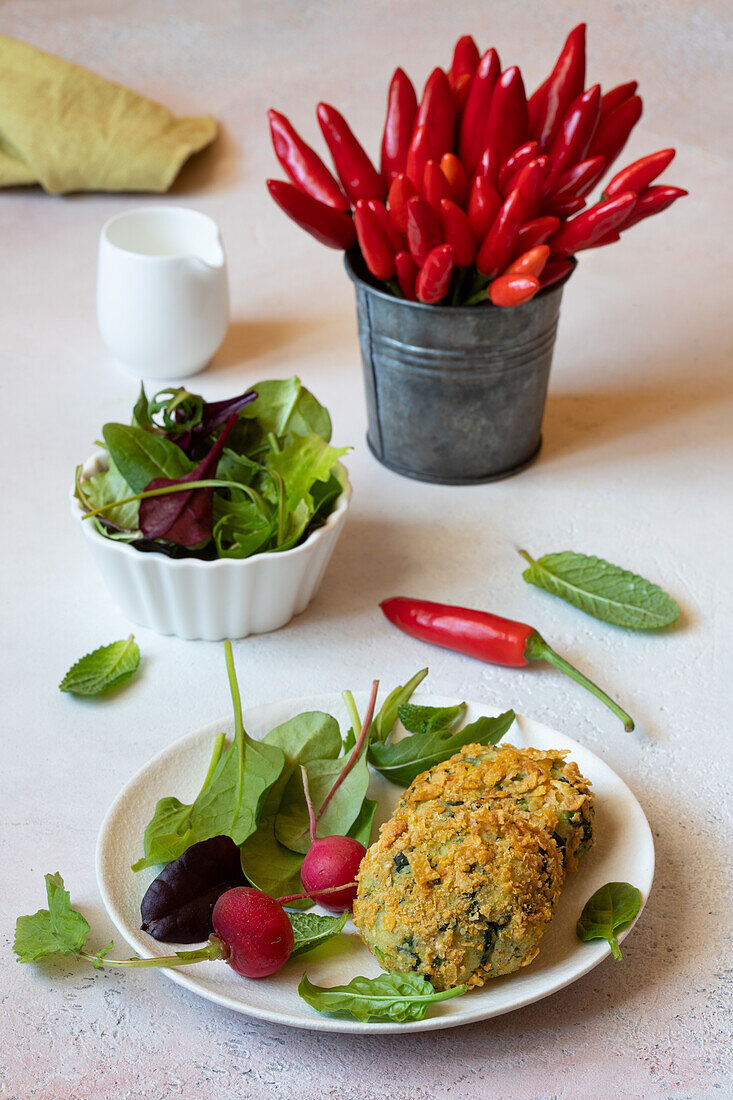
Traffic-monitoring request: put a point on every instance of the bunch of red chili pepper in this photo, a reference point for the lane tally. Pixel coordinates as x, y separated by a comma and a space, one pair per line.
481, 192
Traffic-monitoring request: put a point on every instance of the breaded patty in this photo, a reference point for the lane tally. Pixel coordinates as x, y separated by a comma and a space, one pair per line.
457, 893
525, 783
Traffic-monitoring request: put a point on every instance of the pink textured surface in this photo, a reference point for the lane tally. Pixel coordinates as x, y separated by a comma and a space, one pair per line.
635, 467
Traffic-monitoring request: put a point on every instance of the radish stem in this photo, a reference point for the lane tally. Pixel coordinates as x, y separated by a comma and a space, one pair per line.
356, 750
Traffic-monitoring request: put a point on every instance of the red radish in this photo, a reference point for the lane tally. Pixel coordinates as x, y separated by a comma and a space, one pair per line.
255, 930
333, 861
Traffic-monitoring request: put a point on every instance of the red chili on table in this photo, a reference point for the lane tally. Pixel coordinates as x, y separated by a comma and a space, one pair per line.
487, 637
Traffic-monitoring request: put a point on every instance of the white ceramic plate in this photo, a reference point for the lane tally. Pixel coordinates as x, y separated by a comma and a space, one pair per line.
624, 852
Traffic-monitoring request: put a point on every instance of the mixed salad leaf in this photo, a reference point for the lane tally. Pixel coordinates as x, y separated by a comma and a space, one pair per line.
226, 479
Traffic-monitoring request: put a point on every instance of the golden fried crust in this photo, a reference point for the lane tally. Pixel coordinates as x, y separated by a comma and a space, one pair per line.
525, 783
457, 893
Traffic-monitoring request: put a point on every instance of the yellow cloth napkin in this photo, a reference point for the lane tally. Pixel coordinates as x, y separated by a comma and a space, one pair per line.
71, 130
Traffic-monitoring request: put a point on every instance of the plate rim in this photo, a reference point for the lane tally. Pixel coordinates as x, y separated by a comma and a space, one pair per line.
333, 1023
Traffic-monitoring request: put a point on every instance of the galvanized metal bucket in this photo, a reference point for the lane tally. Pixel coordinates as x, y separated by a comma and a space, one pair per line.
454, 394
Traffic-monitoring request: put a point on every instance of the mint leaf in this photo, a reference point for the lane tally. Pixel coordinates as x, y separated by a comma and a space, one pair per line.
58, 930
419, 719
605, 591
399, 997
310, 930
402, 760
607, 912
106, 668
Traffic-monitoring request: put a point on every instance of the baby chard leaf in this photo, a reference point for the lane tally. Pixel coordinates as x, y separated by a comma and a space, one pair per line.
400, 997
106, 668
609, 911
402, 760
58, 930
605, 591
311, 930
184, 517
178, 904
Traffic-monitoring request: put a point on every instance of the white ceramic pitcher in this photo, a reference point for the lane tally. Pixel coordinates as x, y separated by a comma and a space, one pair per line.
162, 296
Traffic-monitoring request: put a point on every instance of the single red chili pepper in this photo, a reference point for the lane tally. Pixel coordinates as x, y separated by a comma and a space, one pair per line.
528, 182
434, 126
375, 245
455, 173
618, 95
609, 238
407, 271
544, 163
396, 239
483, 206
359, 177
530, 150
563, 206
488, 167
472, 135
555, 270
614, 129
499, 242
458, 233
331, 227
531, 262
576, 131
578, 180
303, 165
585, 230
434, 276
418, 155
489, 638
401, 111
536, 232
549, 103
513, 290
638, 176
507, 126
424, 231
435, 186
464, 64
652, 201
401, 189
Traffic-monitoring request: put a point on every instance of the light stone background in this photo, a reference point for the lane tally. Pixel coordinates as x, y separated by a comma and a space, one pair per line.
635, 467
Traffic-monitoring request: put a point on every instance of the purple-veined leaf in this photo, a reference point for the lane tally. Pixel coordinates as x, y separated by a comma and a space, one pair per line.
185, 518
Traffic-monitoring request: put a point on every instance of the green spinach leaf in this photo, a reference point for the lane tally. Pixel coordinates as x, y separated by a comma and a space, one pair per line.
611, 909
402, 760
141, 456
311, 930
58, 930
603, 590
399, 997
106, 668
291, 824
230, 800
361, 829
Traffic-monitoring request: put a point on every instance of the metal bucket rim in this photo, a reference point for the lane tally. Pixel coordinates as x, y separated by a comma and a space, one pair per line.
453, 310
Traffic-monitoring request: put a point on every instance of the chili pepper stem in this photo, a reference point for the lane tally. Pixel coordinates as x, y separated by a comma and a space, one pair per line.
537, 649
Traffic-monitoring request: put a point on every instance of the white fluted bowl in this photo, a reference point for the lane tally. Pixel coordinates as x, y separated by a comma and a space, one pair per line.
211, 600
